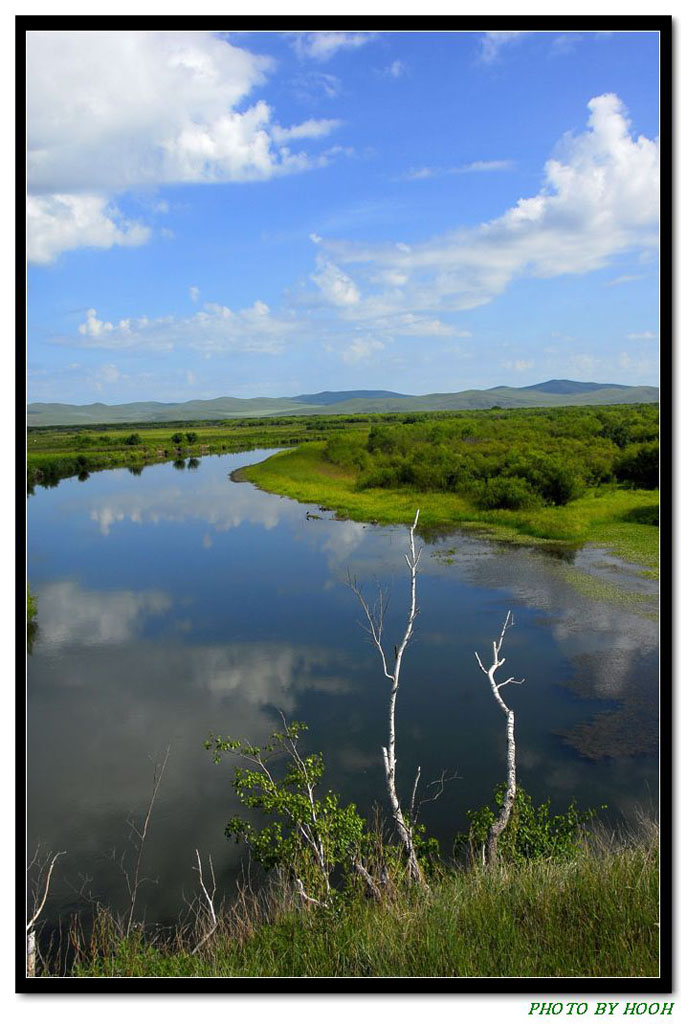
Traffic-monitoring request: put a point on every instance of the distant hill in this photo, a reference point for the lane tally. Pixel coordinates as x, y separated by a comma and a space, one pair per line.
550, 393
570, 387
332, 397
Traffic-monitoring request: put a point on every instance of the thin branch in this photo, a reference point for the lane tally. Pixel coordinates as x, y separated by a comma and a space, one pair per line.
413, 816
303, 894
133, 889
440, 783
37, 913
209, 898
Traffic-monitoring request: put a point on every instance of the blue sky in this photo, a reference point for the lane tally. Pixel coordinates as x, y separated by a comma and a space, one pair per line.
273, 214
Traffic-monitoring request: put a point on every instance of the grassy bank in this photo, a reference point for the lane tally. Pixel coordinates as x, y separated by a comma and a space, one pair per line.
593, 917
56, 453
608, 515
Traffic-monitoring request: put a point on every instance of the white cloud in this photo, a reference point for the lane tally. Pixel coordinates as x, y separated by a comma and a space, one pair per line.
484, 165
322, 46
314, 83
493, 42
214, 329
194, 292
312, 129
599, 199
110, 111
94, 327
336, 286
414, 325
641, 336
623, 279
640, 366
565, 43
59, 222
361, 350
480, 166
106, 375
519, 365
395, 69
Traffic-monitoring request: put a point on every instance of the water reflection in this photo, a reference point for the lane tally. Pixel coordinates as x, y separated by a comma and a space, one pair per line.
71, 614
175, 605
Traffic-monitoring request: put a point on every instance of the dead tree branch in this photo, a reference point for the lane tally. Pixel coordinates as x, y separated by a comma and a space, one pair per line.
392, 671
39, 903
141, 835
499, 825
209, 899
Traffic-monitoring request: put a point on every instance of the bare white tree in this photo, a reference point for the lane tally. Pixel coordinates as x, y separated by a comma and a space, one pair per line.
209, 900
45, 871
375, 627
499, 825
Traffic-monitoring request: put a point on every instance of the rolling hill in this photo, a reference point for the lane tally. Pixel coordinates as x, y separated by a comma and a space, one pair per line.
549, 393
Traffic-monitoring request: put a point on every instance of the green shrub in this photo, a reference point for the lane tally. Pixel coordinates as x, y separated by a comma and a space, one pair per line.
638, 465
507, 492
347, 452
308, 836
532, 833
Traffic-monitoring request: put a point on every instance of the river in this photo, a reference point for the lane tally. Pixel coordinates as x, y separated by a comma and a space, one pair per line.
177, 603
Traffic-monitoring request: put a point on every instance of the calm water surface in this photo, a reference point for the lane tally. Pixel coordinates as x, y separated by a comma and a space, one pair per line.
176, 603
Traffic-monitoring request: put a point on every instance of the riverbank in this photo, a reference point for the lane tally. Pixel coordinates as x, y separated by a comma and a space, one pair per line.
595, 916
615, 517
56, 454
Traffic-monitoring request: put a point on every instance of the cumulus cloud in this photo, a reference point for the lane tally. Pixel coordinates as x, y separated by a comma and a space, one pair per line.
336, 286
194, 292
59, 222
214, 329
322, 46
111, 111
599, 198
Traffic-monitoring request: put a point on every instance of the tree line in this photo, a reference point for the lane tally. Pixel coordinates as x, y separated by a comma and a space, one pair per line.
508, 459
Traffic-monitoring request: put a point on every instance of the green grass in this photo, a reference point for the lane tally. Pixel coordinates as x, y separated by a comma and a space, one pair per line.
594, 917
604, 516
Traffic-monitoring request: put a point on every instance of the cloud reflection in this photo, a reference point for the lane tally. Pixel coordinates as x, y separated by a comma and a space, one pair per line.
71, 614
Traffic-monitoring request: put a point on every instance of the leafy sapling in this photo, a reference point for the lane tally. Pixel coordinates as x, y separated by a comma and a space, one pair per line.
308, 836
